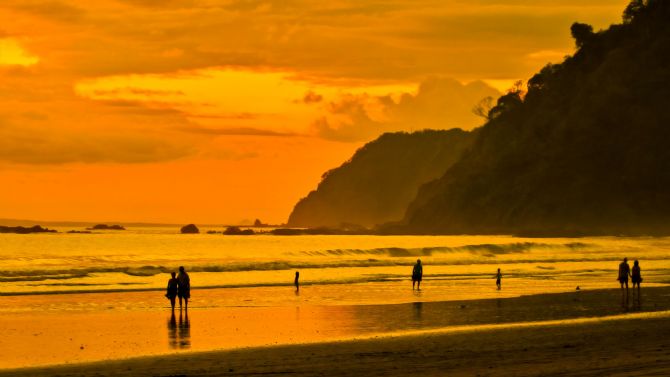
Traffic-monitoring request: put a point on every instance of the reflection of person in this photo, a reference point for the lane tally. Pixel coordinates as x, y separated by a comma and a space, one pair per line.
297, 280
636, 277
179, 333
172, 287
417, 274
172, 331
184, 331
184, 291
499, 279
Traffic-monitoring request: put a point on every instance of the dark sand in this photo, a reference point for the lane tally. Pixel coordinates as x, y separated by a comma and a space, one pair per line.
628, 344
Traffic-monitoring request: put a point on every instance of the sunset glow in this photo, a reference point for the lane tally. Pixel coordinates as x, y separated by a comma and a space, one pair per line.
222, 112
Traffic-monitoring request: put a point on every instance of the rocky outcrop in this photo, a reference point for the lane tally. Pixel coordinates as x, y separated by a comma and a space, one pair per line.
190, 229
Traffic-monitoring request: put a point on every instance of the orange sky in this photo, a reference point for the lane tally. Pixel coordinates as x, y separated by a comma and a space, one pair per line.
221, 111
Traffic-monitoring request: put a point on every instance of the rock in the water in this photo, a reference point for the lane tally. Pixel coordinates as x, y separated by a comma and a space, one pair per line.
24, 230
106, 227
236, 231
190, 229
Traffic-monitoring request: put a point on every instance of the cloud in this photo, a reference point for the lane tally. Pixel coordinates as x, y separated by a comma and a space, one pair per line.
311, 97
13, 54
337, 40
234, 131
41, 146
51, 9
438, 104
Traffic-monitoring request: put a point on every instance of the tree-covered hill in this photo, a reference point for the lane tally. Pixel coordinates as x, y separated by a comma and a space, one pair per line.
586, 150
380, 180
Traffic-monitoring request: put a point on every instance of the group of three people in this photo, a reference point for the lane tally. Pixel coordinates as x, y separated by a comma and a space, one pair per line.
179, 286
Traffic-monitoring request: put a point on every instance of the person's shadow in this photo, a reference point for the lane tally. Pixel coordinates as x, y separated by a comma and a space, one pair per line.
179, 334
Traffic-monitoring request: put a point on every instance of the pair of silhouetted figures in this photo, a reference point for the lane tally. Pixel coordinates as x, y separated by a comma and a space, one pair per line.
635, 275
179, 286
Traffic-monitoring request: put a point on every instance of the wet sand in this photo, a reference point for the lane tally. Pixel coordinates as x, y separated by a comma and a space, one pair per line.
523, 335
628, 345
85, 335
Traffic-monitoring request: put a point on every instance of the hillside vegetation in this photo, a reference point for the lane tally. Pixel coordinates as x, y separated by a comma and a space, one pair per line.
380, 180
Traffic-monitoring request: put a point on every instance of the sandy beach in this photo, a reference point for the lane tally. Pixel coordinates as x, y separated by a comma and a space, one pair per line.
579, 333
628, 345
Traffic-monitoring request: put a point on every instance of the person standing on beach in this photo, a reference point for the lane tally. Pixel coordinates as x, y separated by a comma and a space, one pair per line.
417, 275
297, 281
172, 288
499, 279
624, 272
184, 291
636, 277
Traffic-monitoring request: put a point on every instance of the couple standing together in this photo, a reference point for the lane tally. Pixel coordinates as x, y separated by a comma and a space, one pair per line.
635, 275
179, 286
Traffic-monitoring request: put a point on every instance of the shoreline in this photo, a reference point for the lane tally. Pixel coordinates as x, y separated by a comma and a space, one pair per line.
576, 347
120, 335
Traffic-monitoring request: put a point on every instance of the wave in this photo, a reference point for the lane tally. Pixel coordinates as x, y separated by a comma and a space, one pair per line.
487, 250
82, 288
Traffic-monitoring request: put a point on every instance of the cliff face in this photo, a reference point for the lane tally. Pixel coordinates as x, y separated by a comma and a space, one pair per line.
586, 150
380, 180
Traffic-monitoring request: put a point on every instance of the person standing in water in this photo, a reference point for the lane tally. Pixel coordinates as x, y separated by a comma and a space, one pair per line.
184, 291
172, 288
499, 280
636, 277
417, 275
297, 281
624, 273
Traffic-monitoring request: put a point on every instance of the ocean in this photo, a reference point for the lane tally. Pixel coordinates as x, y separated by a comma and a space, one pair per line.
101, 295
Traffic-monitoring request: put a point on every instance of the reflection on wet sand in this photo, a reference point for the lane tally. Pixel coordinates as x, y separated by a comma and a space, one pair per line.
418, 306
179, 334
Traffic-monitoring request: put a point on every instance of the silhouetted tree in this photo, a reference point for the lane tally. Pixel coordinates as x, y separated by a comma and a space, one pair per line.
483, 107
582, 33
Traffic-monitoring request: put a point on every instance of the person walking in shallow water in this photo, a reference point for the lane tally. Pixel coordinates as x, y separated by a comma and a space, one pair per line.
417, 275
184, 290
499, 280
636, 278
172, 288
624, 273
297, 281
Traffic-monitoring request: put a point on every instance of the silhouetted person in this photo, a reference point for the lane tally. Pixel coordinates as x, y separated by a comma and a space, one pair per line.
624, 273
498, 279
636, 278
417, 274
297, 280
184, 291
172, 288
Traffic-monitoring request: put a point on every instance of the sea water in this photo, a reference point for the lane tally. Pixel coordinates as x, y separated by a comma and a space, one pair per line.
83, 297
340, 269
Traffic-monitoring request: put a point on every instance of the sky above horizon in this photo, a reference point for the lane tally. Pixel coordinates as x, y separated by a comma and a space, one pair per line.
225, 111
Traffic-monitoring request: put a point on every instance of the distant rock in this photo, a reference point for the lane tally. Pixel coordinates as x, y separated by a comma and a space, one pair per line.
190, 229
258, 223
318, 231
236, 231
25, 230
79, 231
212, 232
106, 227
